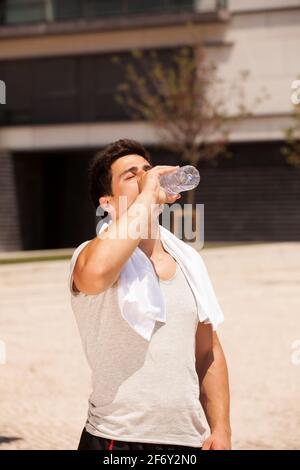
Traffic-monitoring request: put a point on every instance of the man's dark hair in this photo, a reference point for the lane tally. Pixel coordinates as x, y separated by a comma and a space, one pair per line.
99, 171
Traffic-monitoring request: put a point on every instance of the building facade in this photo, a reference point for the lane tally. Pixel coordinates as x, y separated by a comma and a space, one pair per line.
56, 62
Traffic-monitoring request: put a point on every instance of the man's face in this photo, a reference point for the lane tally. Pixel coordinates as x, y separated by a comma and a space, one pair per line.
125, 173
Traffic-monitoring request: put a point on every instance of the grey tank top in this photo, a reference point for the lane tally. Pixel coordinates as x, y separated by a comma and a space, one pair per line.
142, 391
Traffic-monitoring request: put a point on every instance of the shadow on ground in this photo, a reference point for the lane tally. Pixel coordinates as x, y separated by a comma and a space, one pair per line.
8, 439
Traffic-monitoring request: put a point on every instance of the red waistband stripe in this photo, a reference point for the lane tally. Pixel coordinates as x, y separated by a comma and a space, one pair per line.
111, 444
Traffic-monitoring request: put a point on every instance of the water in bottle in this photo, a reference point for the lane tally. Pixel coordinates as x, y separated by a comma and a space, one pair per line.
184, 179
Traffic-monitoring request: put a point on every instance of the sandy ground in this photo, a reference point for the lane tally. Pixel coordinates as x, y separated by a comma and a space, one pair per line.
44, 384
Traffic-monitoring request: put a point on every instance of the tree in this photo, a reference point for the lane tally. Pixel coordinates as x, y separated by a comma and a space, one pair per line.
185, 101
291, 148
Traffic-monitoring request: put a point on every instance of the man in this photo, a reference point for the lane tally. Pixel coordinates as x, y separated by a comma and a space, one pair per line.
145, 395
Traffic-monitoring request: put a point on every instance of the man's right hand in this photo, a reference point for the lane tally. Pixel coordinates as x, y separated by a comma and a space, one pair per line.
149, 183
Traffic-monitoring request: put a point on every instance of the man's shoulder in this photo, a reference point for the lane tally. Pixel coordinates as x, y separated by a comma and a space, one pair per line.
78, 250
73, 260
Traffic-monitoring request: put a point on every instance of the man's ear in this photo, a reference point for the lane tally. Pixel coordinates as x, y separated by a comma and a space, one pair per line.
107, 206
104, 202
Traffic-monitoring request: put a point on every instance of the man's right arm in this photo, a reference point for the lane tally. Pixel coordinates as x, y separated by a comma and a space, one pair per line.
99, 264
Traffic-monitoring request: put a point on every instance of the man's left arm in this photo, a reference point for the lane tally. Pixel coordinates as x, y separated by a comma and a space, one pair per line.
214, 387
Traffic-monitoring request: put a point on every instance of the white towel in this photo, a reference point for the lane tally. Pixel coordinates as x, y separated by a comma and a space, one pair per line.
140, 298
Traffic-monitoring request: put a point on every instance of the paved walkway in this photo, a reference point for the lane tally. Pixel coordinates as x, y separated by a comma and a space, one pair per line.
44, 384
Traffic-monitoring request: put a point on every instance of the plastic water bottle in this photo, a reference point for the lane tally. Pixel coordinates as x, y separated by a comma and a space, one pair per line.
184, 179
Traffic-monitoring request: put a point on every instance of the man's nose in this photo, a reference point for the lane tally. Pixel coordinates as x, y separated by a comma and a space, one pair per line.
140, 172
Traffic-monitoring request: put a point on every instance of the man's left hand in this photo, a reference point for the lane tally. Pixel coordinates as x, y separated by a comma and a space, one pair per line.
218, 440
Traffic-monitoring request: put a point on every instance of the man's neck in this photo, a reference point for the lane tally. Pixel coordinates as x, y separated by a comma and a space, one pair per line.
152, 247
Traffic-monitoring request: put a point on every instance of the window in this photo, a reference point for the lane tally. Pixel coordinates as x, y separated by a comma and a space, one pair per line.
67, 89
23, 11
14, 12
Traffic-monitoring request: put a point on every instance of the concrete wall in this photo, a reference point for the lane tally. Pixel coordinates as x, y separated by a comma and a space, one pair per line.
245, 5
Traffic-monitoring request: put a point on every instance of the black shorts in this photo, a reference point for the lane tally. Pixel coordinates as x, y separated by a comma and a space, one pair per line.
90, 442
